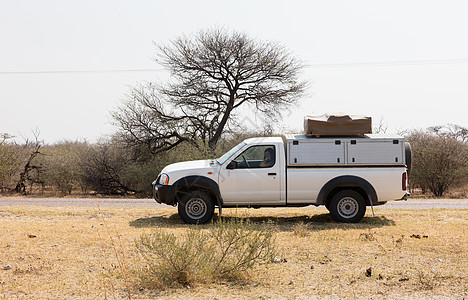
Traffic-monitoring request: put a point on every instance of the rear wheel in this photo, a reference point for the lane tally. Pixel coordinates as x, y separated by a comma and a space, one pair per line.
196, 207
347, 206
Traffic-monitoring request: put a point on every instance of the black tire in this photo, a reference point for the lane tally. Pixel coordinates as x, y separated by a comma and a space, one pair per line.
196, 207
347, 206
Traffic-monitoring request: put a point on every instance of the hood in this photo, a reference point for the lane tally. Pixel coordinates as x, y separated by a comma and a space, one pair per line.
189, 168
185, 165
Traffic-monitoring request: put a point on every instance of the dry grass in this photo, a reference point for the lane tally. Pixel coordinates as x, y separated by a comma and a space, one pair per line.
85, 253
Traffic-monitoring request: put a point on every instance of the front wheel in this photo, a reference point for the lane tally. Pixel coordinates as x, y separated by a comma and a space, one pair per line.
196, 207
347, 206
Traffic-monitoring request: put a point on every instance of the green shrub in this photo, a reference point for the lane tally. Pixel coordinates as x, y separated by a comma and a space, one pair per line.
223, 252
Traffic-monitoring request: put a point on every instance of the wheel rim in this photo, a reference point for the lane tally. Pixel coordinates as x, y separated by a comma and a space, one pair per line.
348, 207
196, 208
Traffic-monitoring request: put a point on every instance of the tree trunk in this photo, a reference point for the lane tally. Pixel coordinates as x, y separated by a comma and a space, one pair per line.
21, 185
214, 140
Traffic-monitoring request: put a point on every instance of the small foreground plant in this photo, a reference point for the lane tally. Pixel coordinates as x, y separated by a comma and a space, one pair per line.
225, 251
300, 229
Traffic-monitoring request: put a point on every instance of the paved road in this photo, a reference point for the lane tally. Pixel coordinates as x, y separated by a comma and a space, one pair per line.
80, 202
106, 202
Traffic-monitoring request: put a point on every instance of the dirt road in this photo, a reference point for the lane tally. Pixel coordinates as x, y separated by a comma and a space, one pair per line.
108, 202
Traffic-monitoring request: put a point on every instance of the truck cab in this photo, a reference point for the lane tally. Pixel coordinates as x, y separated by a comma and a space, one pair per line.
248, 177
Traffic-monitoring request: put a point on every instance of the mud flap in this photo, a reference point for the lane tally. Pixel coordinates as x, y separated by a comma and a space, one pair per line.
372, 206
218, 202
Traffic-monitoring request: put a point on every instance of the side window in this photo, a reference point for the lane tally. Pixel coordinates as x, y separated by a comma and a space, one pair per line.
257, 157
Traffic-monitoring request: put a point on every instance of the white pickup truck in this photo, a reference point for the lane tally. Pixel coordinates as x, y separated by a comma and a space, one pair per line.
345, 174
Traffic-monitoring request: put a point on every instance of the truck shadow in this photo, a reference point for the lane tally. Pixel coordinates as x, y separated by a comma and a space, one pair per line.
313, 222
318, 222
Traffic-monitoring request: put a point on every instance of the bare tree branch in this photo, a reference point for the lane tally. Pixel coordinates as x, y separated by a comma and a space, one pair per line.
214, 73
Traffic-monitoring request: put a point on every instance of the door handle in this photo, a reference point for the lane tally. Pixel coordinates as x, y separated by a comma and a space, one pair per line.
271, 174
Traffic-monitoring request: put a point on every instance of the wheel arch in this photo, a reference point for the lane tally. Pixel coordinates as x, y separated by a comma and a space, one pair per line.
194, 182
356, 183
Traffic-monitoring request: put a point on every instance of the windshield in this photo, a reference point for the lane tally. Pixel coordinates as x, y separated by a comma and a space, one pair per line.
230, 153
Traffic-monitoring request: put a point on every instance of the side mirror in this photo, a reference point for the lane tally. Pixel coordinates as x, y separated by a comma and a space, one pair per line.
232, 165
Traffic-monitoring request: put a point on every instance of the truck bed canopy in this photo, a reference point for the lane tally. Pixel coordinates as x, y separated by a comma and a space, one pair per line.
337, 125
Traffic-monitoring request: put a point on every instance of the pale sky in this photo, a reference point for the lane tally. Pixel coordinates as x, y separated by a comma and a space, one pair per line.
403, 61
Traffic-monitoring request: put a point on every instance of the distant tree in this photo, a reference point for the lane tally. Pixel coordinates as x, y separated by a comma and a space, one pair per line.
213, 74
380, 127
451, 130
103, 166
440, 160
63, 167
8, 162
31, 172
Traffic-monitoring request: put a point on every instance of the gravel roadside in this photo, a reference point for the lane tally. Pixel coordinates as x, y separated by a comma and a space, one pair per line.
121, 202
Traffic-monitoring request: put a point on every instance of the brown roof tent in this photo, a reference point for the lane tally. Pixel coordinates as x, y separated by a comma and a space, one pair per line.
337, 125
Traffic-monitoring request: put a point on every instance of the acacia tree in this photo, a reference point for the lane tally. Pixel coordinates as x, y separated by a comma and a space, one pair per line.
213, 74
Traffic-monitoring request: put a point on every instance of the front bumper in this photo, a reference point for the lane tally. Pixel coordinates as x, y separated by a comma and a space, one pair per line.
164, 194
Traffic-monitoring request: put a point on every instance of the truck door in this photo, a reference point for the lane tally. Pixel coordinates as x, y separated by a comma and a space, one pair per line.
253, 177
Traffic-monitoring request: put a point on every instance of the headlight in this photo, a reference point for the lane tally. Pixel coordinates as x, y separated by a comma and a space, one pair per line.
164, 179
